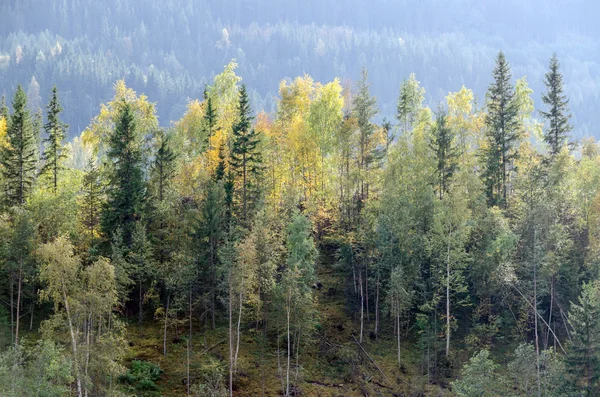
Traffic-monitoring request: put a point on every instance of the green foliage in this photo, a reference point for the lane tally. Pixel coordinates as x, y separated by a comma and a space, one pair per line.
410, 102
246, 158
141, 378
19, 156
479, 377
502, 133
557, 114
583, 361
126, 190
55, 150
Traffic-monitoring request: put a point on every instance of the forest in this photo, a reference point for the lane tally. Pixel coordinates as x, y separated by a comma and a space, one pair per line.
171, 49
452, 250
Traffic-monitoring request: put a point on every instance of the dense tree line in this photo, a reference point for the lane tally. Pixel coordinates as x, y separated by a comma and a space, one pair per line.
465, 232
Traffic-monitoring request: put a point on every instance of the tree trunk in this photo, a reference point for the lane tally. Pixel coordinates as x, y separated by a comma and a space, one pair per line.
18, 312
377, 305
140, 303
398, 329
362, 316
165, 327
537, 343
73, 345
448, 300
230, 336
289, 342
189, 344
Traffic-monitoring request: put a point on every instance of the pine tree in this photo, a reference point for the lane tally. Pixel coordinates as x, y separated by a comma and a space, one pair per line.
583, 360
445, 152
245, 157
126, 193
55, 150
558, 115
502, 133
19, 158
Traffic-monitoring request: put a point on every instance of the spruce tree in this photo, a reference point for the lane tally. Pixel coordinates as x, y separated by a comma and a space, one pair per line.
502, 133
409, 103
19, 159
558, 115
163, 166
364, 109
92, 200
445, 152
126, 192
4, 109
583, 360
246, 159
55, 150
210, 118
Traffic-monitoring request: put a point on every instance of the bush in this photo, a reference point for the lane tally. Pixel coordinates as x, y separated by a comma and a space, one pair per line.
141, 377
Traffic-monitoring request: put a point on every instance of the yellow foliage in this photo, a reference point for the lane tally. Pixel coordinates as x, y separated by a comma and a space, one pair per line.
3, 131
96, 134
190, 129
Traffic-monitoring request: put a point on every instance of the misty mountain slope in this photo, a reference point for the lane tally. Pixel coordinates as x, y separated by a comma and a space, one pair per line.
169, 50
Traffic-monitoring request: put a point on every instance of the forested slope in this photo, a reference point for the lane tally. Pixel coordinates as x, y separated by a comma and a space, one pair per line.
171, 49
307, 251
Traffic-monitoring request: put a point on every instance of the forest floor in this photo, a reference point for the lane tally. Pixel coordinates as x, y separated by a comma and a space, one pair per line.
333, 364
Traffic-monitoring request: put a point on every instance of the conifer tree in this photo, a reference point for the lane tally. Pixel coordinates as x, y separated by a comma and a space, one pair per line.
92, 201
210, 118
445, 152
557, 115
364, 109
55, 151
502, 133
126, 193
583, 360
245, 157
409, 103
19, 158
163, 166
4, 109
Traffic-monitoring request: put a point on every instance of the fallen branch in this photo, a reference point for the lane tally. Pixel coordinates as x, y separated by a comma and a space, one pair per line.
370, 358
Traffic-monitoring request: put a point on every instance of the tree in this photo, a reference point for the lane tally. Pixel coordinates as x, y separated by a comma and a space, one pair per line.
126, 192
445, 151
163, 166
502, 133
410, 103
245, 156
557, 115
398, 300
20, 263
296, 293
84, 299
19, 157
55, 150
479, 377
4, 112
140, 261
583, 361
91, 201
364, 108
210, 119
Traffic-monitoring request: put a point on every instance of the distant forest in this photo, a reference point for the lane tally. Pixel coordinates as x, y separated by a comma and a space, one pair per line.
170, 49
